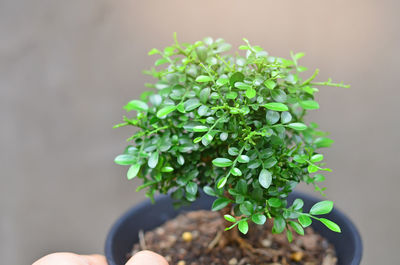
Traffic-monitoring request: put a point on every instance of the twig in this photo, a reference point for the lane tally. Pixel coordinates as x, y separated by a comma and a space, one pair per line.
142, 241
215, 241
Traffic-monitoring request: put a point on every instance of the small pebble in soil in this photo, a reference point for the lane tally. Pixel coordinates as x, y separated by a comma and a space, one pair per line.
233, 261
168, 258
266, 243
181, 262
297, 256
187, 236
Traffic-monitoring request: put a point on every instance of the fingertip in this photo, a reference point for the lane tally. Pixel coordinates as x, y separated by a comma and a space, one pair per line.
147, 257
95, 259
61, 258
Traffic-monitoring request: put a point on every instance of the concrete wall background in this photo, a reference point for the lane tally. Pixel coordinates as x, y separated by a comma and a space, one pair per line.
67, 68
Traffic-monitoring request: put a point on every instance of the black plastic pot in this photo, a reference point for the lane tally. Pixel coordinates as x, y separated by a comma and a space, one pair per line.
147, 216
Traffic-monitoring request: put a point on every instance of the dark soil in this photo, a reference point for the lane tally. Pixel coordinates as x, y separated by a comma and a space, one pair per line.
185, 240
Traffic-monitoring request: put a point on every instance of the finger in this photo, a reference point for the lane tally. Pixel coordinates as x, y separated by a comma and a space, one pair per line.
61, 258
147, 258
65, 258
95, 259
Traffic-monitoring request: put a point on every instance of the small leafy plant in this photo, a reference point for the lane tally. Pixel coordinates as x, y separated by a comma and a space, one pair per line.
232, 125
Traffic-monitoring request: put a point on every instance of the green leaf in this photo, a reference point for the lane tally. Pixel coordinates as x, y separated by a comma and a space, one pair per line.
265, 178
302, 69
312, 168
169, 50
233, 151
297, 227
153, 160
191, 188
242, 86
165, 111
236, 77
243, 226
331, 225
236, 172
160, 61
272, 117
125, 159
241, 186
153, 51
322, 207
221, 183
276, 106
299, 55
289, 235
197, 139
229, 218
279, 95
298, 126
223, 136
270, 162
323, 142
304, 220
243, 159
222, 162
309, 104
206, 139
136, 105
299, 159
274, 202
270, 84
181, 160
254, 164
204, 95
201, 52
203, 79
246, 208
317, 158
155, 99
167, 169
145, 185
223, 47
279, 225
220, 203
209, 191
231, 95
190, 197
258, 218
286, 117
200, 128
222, 81
191, 104
298, 204
133, 171
180, 107
208, 41
158, 176
250, 92
319, 178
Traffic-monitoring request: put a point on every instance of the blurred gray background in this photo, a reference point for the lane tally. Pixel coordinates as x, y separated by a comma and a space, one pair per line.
68, 67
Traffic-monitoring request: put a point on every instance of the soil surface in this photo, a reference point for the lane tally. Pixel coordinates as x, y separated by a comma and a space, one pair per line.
185, 240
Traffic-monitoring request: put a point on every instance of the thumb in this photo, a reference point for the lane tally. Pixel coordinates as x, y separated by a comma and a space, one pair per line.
146, 258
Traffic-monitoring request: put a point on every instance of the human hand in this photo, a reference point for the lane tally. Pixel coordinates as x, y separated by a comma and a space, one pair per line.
141, 258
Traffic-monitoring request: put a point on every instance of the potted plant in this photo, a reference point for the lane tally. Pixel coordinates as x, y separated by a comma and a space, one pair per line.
231, 126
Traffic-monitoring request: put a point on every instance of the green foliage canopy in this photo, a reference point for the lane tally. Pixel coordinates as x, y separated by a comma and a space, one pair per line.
232, 125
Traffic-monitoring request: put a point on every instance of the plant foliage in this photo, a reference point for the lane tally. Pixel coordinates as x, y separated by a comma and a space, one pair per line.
232, 125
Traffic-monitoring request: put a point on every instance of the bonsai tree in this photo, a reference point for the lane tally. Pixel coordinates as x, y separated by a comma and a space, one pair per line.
232, 125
